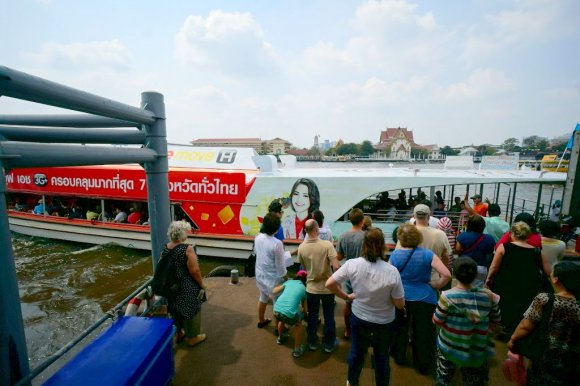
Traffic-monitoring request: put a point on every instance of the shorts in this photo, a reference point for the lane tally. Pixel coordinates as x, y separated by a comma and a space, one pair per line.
289, 320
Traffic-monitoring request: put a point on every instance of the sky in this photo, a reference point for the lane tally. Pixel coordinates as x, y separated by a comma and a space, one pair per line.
455, 72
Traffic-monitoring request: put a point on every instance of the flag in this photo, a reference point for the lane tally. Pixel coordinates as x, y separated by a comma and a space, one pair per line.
571, 140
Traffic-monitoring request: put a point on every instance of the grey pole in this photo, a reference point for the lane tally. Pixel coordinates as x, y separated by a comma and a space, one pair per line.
14, 356
157, 173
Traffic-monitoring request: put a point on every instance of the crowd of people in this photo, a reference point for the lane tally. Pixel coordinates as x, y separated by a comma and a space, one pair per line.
83, 209
502, 277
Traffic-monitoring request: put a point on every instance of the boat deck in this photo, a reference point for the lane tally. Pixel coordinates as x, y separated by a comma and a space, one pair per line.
238, 353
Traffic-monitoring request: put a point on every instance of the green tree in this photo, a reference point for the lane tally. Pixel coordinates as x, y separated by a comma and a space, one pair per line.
485, 150
366, 148
531, 142
314, 150
447, 150
543, 144
559, 147
510, 144
347, 148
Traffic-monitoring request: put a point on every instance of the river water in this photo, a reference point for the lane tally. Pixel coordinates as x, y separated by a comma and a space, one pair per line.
66, 287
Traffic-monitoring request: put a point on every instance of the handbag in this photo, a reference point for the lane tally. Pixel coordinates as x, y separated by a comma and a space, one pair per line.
401, 316
534, 344
514, 369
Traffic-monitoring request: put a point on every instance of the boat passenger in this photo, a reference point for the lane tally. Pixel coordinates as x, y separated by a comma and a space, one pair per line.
494, 225
456, 207
120, 215
514, 275
415, 263
440, 211
185, 308
304, 199
556, 209
377, 290
349, 246
270, 267
465, 314
318, 257
39, 209
134, 216
290, 295
552, 247
93, 214
76, 212
558, 364
478, 206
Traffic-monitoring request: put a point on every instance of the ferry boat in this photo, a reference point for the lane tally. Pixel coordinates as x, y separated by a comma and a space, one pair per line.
225, 192
551, 163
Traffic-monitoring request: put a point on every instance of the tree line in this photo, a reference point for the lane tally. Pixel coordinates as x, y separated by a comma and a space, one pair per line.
529, 146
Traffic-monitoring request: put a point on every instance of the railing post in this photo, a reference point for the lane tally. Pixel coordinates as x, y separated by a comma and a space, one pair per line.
157, 174
14, 356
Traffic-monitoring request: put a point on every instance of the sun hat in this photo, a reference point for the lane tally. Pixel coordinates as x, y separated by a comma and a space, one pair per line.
444, 223
476, 196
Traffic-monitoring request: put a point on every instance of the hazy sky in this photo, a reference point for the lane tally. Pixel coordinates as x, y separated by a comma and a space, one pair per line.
455, 72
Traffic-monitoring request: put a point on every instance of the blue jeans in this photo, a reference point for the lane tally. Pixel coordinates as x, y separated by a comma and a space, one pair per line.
328, 312
362, 335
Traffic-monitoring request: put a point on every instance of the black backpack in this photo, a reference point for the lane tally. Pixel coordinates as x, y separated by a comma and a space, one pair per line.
164, 281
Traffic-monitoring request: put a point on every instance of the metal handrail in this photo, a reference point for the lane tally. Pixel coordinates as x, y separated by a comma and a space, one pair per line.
111, 314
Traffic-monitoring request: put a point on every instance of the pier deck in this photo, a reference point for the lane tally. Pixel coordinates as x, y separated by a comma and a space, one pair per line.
238, 353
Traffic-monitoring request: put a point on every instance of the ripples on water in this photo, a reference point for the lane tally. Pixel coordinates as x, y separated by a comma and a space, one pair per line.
66, 287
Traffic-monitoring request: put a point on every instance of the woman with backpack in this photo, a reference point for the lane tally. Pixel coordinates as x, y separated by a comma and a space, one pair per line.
185, 304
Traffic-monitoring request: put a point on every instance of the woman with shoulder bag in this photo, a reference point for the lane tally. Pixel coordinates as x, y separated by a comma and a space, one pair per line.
185, 307
415, 264
559, 358
515, 275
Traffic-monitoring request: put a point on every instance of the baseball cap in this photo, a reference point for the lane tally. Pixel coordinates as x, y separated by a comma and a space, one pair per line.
422, 210
476, 196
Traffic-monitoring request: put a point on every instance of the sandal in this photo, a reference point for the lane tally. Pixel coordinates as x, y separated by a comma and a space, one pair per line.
264, 323
195, 340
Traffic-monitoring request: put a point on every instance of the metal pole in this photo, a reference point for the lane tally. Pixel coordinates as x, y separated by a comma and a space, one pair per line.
68, 120
23, 86
513, 202
157, 174
537, 213
13, 353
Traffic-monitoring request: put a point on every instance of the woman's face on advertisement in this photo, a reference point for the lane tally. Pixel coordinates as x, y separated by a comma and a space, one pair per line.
301, 199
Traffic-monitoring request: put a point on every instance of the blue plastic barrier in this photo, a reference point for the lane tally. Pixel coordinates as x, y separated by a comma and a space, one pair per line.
133, 351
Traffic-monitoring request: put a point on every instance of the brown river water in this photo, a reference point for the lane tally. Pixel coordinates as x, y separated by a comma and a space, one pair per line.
66, 287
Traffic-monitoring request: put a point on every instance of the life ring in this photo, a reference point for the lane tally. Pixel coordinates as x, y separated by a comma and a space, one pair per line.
139, 303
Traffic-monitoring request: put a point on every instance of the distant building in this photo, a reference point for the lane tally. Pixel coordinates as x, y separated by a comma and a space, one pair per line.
397, 143
275, 146
272, 146
468, 151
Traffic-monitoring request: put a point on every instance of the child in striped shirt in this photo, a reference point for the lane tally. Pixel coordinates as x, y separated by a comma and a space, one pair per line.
464, 314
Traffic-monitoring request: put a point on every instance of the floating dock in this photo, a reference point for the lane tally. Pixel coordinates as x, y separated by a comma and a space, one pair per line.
236, 352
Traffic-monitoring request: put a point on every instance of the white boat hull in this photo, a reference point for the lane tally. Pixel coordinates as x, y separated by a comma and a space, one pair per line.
207, 245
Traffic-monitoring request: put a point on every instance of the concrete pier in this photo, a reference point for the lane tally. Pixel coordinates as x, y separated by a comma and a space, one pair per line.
236, 352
